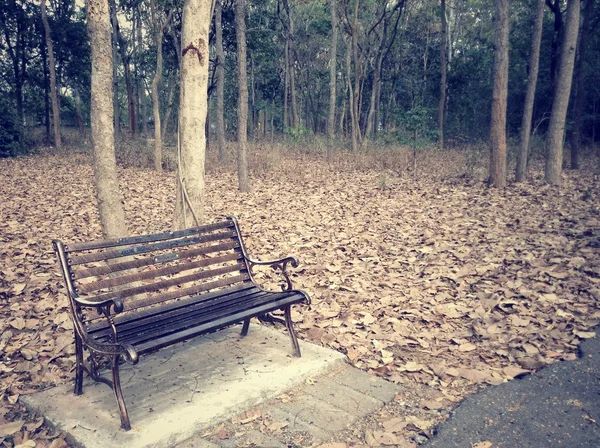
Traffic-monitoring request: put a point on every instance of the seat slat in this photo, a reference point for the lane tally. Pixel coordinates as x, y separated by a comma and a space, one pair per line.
177, 317
148, 261
129, 251
102, 244
154, 273
216, 321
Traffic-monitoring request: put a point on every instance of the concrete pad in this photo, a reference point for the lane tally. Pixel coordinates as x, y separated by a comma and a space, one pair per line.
251, 439
343, 397
365, 383
316, 412
298, 428
178, 392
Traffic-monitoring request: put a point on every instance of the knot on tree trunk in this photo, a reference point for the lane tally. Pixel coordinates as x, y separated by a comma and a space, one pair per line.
199, 50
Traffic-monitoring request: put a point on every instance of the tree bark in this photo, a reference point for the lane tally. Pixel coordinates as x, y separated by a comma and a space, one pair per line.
560, 103
534, 63
193, 107
443, 82
110, 206
357, 78
578, 91
556, 37
80, 123
160, 26
46, 89
131, 109
141, 81
240, 34
52, 66
500, 94
351, 95
115, 77
332, 78
220, 83
286, 88
170, 97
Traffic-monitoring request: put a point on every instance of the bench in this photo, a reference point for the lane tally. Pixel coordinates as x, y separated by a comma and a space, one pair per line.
133, 296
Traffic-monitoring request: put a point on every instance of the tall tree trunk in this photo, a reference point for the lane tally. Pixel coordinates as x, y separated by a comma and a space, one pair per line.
115, 92
578, 91
46, 89
240, 34
80, 123
443, 82
357, 77
291, 59
220, 83
170, 97
350, 89
332, 78
193, 108
160, 29
112, 217
131, 109
560, 103
500, 94
52, 66
286, 88
534, 63
141, 79
556, 38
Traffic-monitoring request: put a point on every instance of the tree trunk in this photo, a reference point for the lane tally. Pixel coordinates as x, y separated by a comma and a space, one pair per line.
579, 90
52, 66
110, 206
357, 78
193, 108
220, 83
534, 63
560, 103
46, 90
141, 81
286, 88
353, 119
498, 122
160, 29
556, 38
131, 109
170, 97
80, 123
240, 34
115, 77
443, 82
332, 78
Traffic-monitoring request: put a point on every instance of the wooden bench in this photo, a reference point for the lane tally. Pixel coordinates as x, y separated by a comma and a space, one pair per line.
132, 296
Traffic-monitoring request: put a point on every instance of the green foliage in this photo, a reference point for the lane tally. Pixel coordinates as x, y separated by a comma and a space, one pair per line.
11, 132
297, 133
417, 127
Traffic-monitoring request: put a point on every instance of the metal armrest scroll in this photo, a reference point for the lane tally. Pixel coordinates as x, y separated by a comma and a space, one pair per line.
280, 265
115, 302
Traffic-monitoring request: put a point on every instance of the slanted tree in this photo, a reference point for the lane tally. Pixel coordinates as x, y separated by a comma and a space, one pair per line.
242, 115
110, 206
500, 94
534, 63
220, 71
562, 92
193, 107
52, 66
332, 77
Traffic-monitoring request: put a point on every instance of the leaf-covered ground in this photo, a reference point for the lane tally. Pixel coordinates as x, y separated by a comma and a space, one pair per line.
433, 282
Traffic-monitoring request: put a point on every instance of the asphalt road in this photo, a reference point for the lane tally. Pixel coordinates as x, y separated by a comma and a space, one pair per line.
557, 407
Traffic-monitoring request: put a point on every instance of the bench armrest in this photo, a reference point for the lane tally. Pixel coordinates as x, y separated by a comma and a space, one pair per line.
115, 302
280, 264
125, 350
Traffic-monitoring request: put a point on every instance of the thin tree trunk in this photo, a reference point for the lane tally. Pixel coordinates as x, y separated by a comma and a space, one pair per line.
193, 108
112, 217
357, 78
500, 94
579, 90
52, 66
46, 89
332, 78
131, 109
351, 96
560, 103
115, 92
534, 63
286, 89
220, 83
555, 7
443, 81
155, 82
240, 33
141, 81
170, 97
80, 123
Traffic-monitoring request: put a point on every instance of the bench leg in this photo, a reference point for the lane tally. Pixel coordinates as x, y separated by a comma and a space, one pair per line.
244, 331
290, 328
119, 394
78, 366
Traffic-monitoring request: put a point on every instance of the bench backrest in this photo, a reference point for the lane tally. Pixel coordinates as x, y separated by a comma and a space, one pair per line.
149, 270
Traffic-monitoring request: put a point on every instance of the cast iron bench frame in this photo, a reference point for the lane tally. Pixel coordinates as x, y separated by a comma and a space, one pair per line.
114, 334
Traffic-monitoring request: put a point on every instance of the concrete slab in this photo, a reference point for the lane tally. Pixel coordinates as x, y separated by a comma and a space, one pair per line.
251, 439
371, 385
343, 397
316, 412
178, 392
